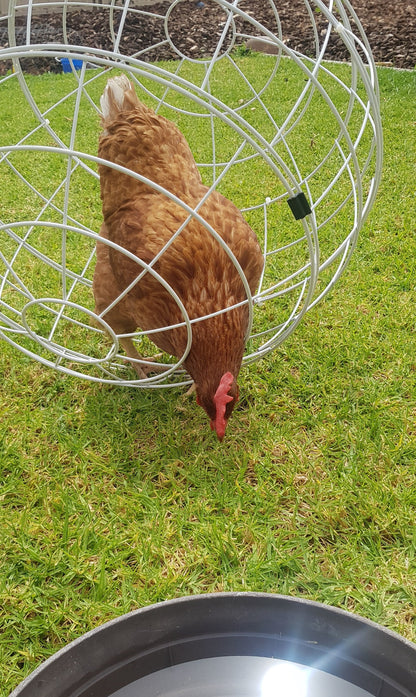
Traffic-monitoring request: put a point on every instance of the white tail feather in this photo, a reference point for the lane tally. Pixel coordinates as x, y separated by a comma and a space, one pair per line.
112, 99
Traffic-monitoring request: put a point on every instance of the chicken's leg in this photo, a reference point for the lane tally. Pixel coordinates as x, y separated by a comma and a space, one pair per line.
137, 360
118, 317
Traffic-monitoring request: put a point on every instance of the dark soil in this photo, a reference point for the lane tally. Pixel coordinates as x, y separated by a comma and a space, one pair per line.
390, 28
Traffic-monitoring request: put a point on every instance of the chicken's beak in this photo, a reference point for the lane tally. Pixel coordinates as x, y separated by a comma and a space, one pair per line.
219, 429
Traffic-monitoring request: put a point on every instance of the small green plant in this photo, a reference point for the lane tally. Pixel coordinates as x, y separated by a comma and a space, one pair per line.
241, 51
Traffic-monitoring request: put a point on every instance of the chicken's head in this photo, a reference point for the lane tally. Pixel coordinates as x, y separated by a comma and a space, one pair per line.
219, 407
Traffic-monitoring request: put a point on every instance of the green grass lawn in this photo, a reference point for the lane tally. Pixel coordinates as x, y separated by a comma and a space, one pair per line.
113, 498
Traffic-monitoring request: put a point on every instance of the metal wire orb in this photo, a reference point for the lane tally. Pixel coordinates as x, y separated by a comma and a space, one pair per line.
265, 130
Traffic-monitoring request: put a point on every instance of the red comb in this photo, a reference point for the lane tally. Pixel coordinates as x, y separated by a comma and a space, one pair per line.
221, 399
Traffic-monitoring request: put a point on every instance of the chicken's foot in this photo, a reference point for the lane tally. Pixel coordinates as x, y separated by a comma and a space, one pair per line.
191, 390
136, 360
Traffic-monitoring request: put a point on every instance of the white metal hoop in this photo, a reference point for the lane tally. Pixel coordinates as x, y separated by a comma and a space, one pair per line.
308, 131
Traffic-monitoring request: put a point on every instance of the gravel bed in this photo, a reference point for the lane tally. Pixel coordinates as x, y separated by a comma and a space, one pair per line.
390, 28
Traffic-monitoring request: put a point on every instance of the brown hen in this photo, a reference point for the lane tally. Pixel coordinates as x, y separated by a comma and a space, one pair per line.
143, 220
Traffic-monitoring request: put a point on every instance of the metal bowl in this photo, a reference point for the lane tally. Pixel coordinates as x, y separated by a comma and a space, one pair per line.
252, 644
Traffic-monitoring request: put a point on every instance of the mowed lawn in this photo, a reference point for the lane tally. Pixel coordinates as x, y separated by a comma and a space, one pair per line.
113, 498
